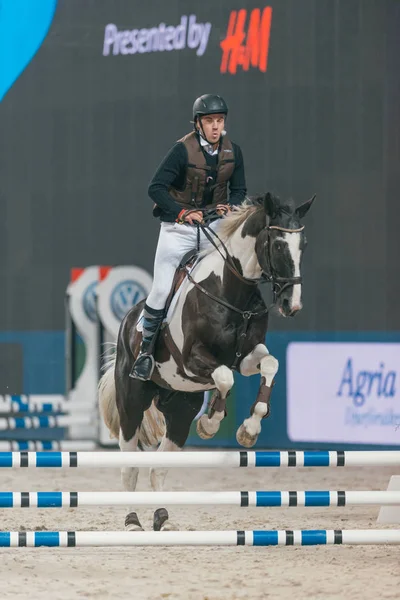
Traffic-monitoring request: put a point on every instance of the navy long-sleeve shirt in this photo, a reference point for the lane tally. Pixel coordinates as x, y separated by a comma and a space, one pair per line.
172, 172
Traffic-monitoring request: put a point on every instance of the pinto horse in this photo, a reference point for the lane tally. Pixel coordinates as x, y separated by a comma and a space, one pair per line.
216, 323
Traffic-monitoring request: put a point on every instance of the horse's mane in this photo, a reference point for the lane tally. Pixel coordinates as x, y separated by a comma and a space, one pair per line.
249, 206
238, 215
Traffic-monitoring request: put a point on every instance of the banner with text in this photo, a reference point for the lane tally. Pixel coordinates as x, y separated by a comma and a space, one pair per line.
343, 392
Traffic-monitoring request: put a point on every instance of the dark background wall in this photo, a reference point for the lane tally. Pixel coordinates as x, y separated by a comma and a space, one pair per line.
82, 133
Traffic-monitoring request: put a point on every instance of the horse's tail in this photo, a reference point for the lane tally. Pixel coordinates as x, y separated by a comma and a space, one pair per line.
107, 399
152, 428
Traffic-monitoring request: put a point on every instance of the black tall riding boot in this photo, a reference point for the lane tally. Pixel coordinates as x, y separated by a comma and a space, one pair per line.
144, 364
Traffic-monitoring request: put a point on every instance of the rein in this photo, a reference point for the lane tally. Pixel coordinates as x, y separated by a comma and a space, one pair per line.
227, 259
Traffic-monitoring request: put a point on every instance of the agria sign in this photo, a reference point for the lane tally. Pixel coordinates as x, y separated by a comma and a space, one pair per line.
188, 34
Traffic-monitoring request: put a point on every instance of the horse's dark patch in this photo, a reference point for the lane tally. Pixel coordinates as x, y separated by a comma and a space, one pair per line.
213, 338
237, 265
254, 224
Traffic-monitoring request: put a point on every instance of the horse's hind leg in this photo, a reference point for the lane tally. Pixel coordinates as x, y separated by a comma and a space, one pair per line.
179, 409
129, 477
258, 361
133, 398
208, 425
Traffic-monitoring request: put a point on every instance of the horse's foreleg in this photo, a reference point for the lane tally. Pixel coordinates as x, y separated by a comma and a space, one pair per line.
258, 361
179, 409
208, 425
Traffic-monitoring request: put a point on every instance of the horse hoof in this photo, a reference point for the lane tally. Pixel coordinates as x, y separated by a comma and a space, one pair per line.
244, 438
201, 428
132, 522
160, 519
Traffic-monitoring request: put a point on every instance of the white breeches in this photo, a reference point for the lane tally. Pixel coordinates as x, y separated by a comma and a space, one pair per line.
174, 241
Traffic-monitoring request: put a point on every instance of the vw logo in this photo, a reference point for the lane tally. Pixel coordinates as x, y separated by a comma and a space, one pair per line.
89, 302
124, 296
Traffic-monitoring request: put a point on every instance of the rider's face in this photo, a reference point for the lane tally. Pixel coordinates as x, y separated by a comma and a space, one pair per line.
213, 126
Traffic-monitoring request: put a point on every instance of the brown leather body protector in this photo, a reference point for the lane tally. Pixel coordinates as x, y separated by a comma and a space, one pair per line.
198, 171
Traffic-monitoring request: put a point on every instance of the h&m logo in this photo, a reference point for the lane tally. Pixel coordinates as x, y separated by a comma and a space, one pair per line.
242, 48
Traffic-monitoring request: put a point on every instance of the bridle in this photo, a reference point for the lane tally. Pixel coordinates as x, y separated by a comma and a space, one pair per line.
279, 284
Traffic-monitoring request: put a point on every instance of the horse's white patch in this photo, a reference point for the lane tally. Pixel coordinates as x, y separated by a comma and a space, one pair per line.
243, 248
293, 242
269, 368
169, 372
223, 378
250, 363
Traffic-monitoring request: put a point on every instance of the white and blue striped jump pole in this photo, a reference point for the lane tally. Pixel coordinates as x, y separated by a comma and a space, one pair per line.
44, 421
243, 499
50, 445
291, 458
38, 404
72, 539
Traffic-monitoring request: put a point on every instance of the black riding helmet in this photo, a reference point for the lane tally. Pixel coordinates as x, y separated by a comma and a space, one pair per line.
208, 104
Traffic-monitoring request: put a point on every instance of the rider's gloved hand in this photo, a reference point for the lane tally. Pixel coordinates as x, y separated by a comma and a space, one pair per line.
222, 209
190, 216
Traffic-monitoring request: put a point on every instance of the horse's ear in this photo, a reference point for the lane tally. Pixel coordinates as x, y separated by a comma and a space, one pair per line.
303, 209
270, 206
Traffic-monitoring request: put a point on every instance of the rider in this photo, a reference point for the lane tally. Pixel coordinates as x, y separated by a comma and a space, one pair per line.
193, 176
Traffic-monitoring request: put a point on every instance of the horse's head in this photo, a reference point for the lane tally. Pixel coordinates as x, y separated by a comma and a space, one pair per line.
279, 247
